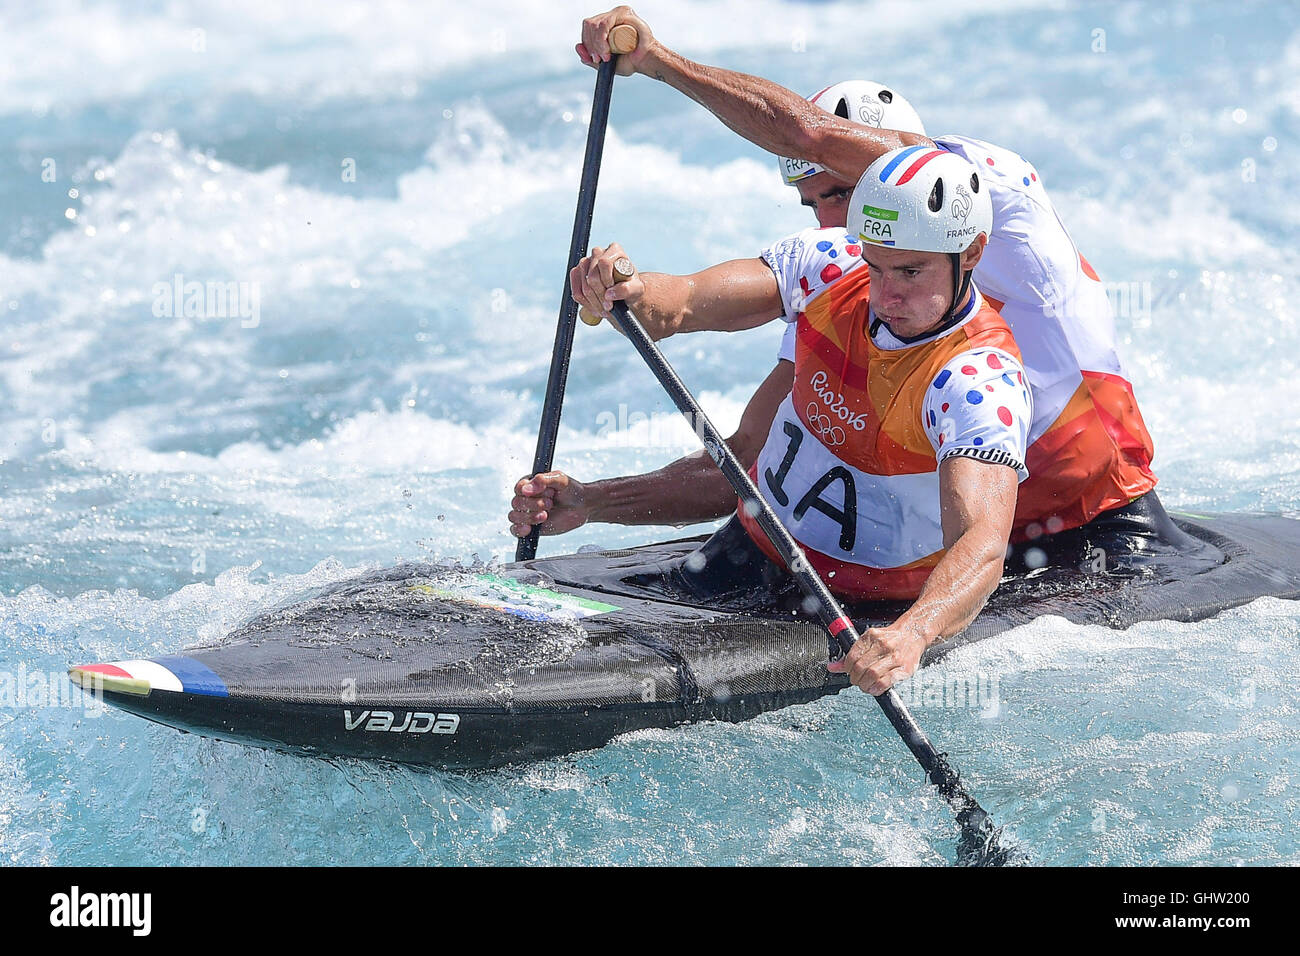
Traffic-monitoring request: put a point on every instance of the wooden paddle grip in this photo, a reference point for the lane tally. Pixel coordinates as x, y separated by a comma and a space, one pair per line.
623, 270
623, 38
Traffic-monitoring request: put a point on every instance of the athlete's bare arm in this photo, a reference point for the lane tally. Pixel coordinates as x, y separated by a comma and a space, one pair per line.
766, 114
728, 297
690, 489
978, 503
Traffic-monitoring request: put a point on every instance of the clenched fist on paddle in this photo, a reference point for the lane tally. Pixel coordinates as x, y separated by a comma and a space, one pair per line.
620, 31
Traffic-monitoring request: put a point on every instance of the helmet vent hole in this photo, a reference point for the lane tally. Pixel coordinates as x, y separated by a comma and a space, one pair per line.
842, 108
936, 196
885, 96
975, 182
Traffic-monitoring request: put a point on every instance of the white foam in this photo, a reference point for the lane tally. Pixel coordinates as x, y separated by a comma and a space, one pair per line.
311, 53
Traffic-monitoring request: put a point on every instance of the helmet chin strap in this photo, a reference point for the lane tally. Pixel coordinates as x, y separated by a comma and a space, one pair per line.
960, 289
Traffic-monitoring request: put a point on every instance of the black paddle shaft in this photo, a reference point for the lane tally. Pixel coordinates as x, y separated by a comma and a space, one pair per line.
547, 434
979, 837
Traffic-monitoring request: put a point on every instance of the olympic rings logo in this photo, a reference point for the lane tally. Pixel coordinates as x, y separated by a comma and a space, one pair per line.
821, 425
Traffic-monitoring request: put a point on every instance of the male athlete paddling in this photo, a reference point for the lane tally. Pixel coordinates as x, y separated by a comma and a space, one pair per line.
1091, 456
1090, 452
734, 295
895, 459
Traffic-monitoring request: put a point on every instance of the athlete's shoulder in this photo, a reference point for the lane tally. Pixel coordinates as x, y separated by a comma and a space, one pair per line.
813, 245
980, 367
807, 262
795, 242
979, 405
1003, 168
1030, 252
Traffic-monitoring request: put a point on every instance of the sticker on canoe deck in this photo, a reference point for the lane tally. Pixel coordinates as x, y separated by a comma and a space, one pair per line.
174, 673
528, 601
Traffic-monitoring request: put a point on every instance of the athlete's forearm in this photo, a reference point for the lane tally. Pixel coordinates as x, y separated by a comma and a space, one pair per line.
663, 308
766, 114
728, 297
775, 118
959, 586
692, 488
689, 490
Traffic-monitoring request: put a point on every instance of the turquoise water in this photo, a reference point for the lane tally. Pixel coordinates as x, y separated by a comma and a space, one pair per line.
162, 477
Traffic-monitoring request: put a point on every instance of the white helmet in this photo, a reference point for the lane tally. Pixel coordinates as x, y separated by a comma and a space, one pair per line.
858, 101
921, 198
927, 200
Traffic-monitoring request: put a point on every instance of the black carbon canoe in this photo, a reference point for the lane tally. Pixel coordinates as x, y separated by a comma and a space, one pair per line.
424, 665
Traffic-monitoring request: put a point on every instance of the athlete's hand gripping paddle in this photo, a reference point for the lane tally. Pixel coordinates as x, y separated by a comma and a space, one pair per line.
979, 845
623, 270
622, 39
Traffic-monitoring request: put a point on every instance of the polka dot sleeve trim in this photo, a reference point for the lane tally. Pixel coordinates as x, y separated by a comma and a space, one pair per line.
979, 406
806, 263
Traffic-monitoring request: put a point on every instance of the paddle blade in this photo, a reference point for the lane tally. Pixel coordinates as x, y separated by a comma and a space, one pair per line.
981, 843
